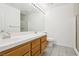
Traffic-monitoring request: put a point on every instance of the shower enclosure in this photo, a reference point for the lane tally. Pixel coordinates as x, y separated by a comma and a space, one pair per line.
77, 32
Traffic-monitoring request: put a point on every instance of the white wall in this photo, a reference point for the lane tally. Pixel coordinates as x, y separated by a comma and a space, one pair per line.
60, 25
36, 22
10, 17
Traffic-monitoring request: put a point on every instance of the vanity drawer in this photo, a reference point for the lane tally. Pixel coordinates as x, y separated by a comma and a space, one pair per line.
19, 51
44, 38
35, 50
35, 43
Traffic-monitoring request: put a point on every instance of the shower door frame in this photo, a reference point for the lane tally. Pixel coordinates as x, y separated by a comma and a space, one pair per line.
76, 31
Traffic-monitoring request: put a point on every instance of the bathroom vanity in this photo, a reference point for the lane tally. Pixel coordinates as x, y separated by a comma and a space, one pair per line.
31, 47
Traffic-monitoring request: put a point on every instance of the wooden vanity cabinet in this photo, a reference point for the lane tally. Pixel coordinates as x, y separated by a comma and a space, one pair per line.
20, 50
32, 48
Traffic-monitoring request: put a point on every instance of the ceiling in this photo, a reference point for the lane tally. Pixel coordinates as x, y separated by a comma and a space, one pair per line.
25, 8
28, 8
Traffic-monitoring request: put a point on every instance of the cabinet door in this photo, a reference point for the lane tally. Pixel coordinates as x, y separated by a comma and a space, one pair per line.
35, 43
35, 50
36, 47
43, 43
19, 51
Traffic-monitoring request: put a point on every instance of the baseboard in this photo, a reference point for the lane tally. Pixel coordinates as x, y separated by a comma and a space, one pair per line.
76, 51
53, 40
63, 45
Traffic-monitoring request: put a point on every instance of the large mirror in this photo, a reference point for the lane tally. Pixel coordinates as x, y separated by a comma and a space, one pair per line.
30, 18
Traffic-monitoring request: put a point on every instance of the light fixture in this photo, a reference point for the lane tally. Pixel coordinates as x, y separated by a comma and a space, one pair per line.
38, 7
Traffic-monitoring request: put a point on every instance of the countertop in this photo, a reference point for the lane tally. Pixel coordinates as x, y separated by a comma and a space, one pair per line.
14, 41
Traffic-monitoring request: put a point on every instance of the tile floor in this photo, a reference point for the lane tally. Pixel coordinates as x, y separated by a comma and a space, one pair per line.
56, 50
